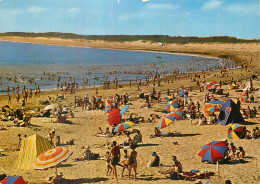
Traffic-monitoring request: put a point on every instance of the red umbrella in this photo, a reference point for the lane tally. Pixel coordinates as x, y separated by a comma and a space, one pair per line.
108, 108
178, 116
243, 96
214, 86
114, 117
213, 151
213, 82
13, 180
171, 105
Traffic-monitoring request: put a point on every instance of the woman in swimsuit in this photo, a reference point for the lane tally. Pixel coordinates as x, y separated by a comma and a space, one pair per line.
132, 162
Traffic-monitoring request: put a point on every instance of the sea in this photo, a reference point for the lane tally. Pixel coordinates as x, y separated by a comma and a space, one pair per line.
29, 61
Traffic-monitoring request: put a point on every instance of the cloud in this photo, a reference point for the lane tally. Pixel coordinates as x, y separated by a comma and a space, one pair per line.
1, 1
242, 8
159, 6
212, 4
37, 9
139, 15
74, 10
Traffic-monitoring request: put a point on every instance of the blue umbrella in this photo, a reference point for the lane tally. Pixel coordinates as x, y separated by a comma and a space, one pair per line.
213, 151
216, 102
124, 109
181, 93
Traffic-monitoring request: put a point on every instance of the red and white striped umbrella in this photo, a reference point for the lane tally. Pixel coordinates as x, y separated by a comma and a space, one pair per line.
52, 158
243, 96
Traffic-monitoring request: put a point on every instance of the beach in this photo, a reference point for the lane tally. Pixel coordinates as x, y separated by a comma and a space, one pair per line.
84, 125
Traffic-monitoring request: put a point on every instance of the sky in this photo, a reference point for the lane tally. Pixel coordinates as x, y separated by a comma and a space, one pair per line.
239, 18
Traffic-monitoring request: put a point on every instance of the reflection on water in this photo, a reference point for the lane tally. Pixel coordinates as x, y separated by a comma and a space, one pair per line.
29, 61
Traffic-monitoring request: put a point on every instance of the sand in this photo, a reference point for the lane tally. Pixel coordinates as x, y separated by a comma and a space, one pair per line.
86, 123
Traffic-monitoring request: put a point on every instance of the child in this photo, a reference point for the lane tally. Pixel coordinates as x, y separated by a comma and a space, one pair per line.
19, 141
233, 149
108, 160
125, 162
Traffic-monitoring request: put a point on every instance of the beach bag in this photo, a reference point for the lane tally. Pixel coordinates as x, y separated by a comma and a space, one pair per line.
126, 162
141, 95
2, 176
175, 176
95, 156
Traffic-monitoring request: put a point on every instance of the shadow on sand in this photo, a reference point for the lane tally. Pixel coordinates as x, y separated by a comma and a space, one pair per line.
150, 178
146, 145
188, 135
85, 180
66, 165
247, 123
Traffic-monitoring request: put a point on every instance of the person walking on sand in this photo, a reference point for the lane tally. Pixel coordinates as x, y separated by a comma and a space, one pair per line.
9, 98
108, 160
132, 162
115, 152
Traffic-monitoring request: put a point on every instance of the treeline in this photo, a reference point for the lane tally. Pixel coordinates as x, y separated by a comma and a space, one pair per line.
144, 38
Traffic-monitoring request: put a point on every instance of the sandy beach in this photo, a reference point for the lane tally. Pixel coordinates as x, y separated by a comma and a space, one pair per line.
86, 122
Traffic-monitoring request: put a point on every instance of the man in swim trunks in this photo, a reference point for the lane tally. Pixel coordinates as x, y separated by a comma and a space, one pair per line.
115, 152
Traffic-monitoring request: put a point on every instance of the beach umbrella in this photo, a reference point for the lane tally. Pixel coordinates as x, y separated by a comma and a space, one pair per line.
178, 116
212, 109
213, 151
107, 102
171, 105
52, 158
215, 102
219, 91
207, 85
13, 180
110, 98
123, 126
178, 111
214, 86
49, 107
165, 121
124, 110
181, 93
243, 96
108, 108
167, 98
205, 111
114, 117
98, 97
213, 82
7, 107
235, 131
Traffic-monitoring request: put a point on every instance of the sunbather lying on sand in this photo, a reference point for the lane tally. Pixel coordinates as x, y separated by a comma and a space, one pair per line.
20, 123
177, 167
59, 143
135, 119
2, 127
86, 155
157, 133
100, 132
153, 117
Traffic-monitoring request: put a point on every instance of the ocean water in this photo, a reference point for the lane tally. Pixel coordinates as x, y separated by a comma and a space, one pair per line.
31, 60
